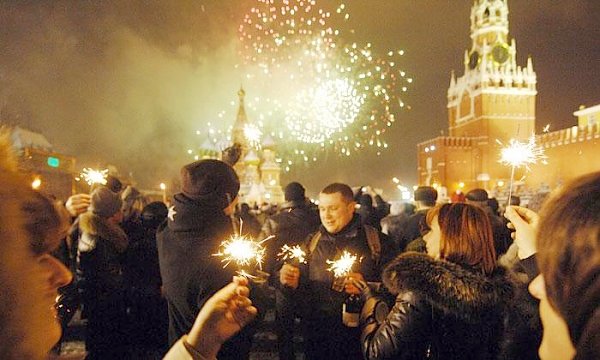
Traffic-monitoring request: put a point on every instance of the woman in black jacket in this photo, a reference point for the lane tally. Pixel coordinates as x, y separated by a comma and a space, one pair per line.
450, 303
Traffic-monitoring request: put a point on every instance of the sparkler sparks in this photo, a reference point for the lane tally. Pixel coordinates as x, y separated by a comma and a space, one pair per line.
242, 250
519, 154
92, 176
292, 253
342, 266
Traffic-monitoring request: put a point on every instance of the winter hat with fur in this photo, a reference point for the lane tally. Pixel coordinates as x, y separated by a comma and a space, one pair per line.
105, 203
210, 181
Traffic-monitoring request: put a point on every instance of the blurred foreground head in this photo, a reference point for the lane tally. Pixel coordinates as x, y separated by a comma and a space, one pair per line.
28, 227
569, 260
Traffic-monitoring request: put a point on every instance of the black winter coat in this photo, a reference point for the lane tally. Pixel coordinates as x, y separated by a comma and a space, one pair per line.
290, 226
442, 311
411, 229
190, 274
101, 248
316, 281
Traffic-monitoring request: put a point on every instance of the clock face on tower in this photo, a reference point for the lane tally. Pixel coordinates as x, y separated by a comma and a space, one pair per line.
500, 53
473, 60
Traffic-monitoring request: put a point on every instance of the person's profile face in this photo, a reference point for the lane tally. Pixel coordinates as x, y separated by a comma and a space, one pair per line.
51, 275
335, 212
556, 341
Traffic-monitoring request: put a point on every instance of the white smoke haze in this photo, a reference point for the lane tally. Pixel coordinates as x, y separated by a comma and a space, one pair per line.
107, 87
129, 82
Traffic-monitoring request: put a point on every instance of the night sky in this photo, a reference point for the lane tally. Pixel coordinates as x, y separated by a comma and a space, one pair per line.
129, 83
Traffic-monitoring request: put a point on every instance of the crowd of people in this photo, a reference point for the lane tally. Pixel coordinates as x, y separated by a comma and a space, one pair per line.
441, 281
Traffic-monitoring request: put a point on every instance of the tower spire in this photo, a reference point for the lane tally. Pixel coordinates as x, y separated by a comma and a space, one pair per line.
240, 122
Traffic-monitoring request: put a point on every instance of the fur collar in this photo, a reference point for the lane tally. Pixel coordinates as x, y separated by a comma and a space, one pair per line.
449, 287
101, 227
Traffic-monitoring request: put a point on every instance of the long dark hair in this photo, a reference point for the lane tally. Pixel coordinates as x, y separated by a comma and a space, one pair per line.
466, 235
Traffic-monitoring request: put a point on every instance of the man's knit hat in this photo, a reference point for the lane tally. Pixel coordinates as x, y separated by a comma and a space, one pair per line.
104, 202
210, 181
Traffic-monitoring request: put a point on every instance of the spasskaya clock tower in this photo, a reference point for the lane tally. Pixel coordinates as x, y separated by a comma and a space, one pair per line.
492, 102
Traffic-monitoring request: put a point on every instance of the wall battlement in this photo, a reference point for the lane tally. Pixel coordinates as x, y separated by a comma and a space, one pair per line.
449, 142
569, 135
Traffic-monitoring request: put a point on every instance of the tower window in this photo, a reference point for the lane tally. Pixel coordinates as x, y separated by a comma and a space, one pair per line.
486, 13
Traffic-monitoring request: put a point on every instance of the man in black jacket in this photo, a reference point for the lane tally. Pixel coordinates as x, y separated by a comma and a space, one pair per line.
197, 223
326, 336
502, 238
413, 227
291, 226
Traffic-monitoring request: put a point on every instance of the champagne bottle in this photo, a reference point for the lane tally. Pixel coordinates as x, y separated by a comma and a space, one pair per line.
351, 310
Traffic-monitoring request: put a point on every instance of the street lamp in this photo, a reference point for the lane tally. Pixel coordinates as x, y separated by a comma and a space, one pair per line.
163, 187
36, 183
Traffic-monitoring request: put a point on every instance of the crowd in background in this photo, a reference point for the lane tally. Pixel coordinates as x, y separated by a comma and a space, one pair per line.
442, 281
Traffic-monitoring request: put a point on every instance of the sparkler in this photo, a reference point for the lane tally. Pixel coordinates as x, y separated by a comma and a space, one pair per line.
242, 250
92, 176
292, 253
520, 154
342, 266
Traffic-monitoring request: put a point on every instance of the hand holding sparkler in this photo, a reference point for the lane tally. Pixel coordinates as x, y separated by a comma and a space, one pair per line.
289, 276
525, 222
351, 281
78, 204
292, 256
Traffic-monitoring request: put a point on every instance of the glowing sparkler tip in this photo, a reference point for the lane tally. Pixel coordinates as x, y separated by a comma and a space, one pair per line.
292, 253
92, 176
518, 154
342, 266
243, 251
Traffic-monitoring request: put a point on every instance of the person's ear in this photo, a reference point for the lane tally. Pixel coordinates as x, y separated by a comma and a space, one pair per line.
352, 206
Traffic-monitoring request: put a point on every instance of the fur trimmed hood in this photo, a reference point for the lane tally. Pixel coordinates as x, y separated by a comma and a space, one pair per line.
96, 226
449, 287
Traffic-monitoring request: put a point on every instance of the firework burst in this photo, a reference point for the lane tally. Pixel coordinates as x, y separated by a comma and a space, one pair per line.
344, 96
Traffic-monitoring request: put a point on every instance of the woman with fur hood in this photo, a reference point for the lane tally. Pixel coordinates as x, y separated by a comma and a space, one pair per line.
101, 249
451, 302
